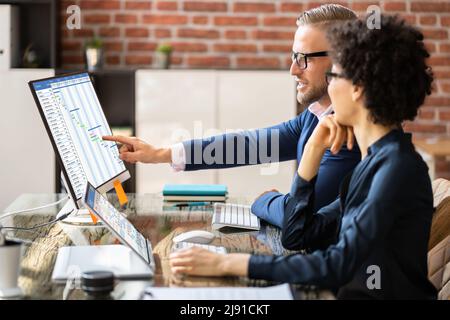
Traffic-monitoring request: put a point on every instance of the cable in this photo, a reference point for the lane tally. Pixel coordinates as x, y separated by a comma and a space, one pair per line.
7, 214
39, 225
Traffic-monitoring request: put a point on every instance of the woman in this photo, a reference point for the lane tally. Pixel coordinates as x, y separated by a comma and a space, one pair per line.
372, 241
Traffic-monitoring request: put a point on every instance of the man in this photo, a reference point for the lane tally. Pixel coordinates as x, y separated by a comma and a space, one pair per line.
310, 61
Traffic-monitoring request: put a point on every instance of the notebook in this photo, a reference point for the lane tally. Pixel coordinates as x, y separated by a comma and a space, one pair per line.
195, 192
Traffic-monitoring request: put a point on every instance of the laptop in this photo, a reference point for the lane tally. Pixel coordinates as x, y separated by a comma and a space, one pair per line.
131, 260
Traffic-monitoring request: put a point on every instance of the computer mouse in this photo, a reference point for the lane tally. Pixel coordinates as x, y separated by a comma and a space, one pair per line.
196, 236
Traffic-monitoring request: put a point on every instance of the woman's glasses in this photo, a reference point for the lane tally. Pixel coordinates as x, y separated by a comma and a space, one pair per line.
330, 75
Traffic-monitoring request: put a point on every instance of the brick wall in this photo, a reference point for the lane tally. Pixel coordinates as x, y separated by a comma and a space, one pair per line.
243, 34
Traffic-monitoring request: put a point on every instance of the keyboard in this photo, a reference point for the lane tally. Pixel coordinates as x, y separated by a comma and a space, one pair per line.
185, 245
234, 216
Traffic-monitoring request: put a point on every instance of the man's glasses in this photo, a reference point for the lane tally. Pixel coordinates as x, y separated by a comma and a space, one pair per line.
330, 75
301, 59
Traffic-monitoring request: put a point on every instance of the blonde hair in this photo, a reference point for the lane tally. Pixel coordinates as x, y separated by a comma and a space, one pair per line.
325, 15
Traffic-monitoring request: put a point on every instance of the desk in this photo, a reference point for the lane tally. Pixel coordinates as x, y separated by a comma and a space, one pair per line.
155, 222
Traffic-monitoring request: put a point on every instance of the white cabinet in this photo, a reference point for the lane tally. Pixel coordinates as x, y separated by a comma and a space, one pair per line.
27, 162
172, 106
9, 36
255, 99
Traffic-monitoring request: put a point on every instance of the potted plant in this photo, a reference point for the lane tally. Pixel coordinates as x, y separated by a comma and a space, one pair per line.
93, 53
163, 52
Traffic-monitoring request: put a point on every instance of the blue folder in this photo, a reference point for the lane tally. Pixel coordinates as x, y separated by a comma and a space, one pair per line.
194, 190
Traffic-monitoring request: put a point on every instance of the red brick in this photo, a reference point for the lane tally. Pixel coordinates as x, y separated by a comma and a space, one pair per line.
126, 18
424, 128
225, 47
439, 61
137, 5
198, 33
437, 101
71, 46
441, 74
114, 46
208, 62
394, 6
291, 7
96, 18
428, 20
137, 32
83, 33
445, 87
444, 115
235, 21
100, 4
200, 20
138, 60
141, 46
254, 7
112, 60
163, 33
235, 34
362, 6
165, 19
110, 32
166, 5
435, 33
78, 59
273, 35
281, 21
189, 47
259, 63
445, 21
444, 47
426, 113
409, 18
430, 6
278, 48
430, 46
205, 6
176, 60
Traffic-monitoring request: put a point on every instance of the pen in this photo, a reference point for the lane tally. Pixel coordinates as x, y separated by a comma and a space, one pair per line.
191, 204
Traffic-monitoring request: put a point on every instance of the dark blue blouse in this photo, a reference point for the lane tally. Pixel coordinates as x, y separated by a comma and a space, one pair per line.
372, 241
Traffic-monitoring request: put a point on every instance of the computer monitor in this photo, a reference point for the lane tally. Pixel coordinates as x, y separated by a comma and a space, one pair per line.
75, 123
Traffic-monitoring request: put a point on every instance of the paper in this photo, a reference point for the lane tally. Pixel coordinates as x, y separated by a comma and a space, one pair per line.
279, 292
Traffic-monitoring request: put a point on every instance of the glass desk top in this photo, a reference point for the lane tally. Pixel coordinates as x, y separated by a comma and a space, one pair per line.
157, 220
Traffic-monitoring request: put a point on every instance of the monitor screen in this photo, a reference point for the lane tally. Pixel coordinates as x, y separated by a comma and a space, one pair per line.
76, 123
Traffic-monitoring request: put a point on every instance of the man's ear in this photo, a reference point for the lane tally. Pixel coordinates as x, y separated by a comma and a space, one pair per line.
357, 93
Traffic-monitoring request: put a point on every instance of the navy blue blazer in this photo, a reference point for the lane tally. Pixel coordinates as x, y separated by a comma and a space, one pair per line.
292, 136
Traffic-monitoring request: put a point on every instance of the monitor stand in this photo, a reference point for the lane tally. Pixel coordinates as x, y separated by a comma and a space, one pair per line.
78, 216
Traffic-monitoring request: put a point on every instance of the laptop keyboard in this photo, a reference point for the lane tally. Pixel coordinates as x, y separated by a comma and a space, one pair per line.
235, 216
185, 245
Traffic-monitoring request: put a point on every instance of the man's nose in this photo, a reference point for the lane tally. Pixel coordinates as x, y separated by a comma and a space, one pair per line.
295, 69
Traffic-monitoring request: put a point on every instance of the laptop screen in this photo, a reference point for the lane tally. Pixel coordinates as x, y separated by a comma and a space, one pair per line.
116, 222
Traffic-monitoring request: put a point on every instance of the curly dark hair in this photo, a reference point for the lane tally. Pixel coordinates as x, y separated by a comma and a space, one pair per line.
389, 63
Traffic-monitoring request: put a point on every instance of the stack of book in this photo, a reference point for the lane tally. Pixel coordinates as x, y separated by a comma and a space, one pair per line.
195, 192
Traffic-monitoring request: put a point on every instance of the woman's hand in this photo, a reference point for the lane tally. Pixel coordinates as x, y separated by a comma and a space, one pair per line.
202, 262
327, 134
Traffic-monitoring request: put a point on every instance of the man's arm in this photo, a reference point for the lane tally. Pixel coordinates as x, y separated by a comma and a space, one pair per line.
272, 144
